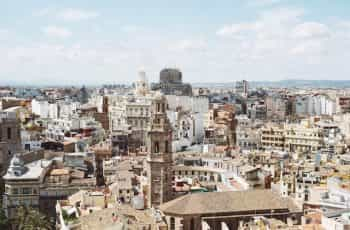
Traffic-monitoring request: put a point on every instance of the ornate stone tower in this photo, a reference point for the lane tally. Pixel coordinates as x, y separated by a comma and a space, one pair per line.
159, 158
141, 85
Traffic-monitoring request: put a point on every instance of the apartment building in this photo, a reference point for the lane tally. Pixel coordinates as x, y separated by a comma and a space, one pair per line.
302, 138
292, 137
272, 136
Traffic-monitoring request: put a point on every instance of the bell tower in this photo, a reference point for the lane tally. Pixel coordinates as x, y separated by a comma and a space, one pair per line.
159, 156
141, 85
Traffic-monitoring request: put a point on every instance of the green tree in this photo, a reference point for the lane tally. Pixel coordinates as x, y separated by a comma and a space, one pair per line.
4, 222
30, 219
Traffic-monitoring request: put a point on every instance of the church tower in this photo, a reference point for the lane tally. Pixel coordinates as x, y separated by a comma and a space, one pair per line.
141, 85
159, 157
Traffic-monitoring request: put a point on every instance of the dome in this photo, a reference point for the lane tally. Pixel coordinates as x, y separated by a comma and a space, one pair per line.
16, 161
16, 167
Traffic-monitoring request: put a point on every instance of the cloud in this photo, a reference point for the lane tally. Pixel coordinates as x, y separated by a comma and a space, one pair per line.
58, 32
309, 47
237, 30
309, 30
281, 35
270, 23
189, 45
76, 14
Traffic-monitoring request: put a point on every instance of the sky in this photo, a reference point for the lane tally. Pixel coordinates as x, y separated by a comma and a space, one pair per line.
110, 41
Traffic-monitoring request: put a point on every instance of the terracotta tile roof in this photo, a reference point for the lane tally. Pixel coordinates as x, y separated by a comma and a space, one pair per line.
227, 202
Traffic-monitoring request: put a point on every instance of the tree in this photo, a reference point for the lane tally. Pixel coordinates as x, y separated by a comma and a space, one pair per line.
30, 219
4, 222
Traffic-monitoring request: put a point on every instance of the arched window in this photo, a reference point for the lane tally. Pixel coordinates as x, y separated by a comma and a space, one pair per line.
156, 147
9, 135
166, 146
192, 223
172, 223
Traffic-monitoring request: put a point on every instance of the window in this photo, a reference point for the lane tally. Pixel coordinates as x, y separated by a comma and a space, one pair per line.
192, 223
156, 147
27, 191
15, 191
172, 223
166, 146
9, 133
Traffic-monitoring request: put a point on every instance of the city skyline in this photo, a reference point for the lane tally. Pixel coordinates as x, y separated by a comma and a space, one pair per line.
95, 43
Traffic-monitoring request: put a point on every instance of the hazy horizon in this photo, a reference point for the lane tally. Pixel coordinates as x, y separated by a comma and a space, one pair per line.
292, 82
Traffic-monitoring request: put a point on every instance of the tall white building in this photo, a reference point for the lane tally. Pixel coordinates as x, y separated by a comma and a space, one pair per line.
40, 108
314, 105
188, 103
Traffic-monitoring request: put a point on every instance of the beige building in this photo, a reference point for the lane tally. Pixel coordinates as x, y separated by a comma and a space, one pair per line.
130, 114
301, 138
292, 137
198, 173
272, 137
22, 184
220, 125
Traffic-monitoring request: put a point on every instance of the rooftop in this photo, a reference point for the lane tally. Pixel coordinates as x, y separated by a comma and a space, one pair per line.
32, 170
59, 172
227, 202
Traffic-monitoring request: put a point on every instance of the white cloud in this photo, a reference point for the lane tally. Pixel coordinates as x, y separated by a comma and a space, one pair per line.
281, 37
237, 30
76, 14
58, 32
188, 45
270, 23
309, 30
309, 47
